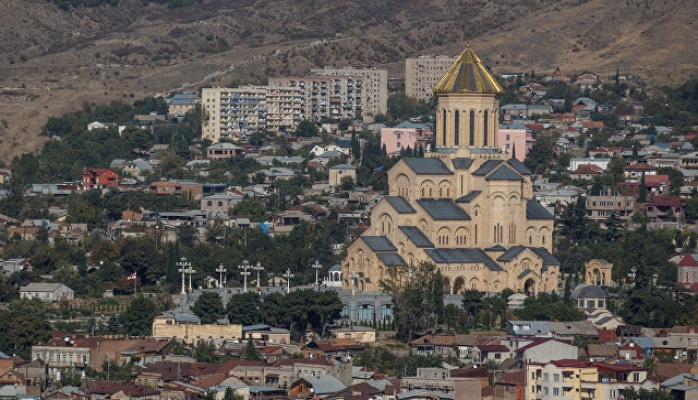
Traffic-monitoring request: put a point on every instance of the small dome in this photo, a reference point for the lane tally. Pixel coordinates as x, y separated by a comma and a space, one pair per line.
592, 292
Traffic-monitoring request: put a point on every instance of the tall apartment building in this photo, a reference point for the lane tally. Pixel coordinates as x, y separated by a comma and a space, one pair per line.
236, 112
340, 93
423, 72
374, 96
233, 112
284, 108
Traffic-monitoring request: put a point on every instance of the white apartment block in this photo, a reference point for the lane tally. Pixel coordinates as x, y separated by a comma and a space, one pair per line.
232, 113
335, 98
284, 108
423, 72
374, 96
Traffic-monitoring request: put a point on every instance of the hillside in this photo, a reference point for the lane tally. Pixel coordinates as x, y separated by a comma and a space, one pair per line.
53, 61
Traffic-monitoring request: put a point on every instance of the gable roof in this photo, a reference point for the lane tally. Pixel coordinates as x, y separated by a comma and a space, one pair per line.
391, 259
462, 255
427, 166
468, 197
378, 243
400, 205
462, 163
417, 237
519, 166
443, 209
504, 173
487, 167
535, 210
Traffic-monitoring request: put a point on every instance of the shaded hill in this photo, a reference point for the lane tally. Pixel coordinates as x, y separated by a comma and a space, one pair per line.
52, 61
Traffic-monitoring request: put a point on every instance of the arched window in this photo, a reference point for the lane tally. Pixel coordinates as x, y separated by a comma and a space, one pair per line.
472, 128
484, 128
444, 128
456, 130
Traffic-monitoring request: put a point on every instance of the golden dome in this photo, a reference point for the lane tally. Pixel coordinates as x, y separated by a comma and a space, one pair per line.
468, 75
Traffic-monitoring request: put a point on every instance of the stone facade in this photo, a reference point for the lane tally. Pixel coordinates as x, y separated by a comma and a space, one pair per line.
466, 207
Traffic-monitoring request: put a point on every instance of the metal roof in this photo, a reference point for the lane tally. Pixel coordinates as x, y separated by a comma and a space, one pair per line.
400, 205
519, 167
443, 209
464, 256
534, 210
416, 236
504, 173
468, 75
323, 384
427, 166
378, 243
546, 256
487, 167
462, 163
511, 253
468, 197
391, 259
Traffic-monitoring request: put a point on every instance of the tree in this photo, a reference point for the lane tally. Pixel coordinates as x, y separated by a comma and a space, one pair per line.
540, 157
205, 351
307, 128
139, 315
414, 297
642, 197
208, 307
244, 308
251, 352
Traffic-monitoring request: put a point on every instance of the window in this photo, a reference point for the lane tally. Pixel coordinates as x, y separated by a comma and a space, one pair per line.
556, 377
556, 391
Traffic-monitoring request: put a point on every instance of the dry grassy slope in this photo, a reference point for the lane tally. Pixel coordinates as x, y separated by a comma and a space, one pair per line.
53, 61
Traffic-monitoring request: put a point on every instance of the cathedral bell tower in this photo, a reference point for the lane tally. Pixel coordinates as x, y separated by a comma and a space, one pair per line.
467, 114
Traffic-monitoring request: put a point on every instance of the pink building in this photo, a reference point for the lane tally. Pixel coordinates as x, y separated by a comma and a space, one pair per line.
516, 137
404, 135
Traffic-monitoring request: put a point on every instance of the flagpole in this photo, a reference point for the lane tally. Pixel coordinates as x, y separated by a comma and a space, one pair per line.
135, 280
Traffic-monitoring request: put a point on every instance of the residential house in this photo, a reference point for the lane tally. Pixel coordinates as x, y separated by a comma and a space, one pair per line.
496, 352
405, 135
47, 292
96, 125
575, 379
137, 167
12, 265
544, 350
664, 213
516, 139
181, 103
447, 382
223, 150
312, 386
99, 178
557, 76
359, 334
266, 334
100, 390
601, 162
586, 172
165, 188
340, 172
219, 204
609, 203
332, 347
273, 174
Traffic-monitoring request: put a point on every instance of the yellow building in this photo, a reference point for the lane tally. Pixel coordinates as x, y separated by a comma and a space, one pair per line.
190, 331
466, 207
579, 380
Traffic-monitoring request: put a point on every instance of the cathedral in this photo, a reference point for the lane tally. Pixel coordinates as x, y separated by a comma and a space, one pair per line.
467, 207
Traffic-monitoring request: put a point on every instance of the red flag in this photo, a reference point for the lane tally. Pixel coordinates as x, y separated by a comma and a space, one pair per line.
131, 277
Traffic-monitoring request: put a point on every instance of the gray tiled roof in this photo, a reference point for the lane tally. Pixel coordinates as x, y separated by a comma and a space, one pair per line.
534, 210
519, 167
487, 167
462, 163
524, 273
378, 243
511, 253
468, 197
443, 209
416, 236
548, 259
504, 173
467, 256
496, 247
427, 166
400, 204
391, 259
